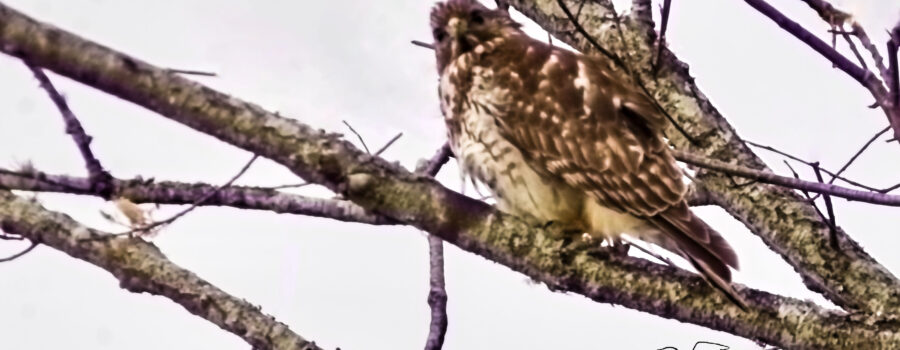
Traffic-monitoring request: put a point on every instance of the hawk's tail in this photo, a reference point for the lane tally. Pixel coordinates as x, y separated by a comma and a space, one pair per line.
705, 248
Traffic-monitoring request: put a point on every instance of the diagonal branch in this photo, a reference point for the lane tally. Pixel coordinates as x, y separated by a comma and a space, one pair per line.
99, 177
140, 267
150, 227
865, 77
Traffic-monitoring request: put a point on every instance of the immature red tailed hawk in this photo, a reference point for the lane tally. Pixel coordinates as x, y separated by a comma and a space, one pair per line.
558, 137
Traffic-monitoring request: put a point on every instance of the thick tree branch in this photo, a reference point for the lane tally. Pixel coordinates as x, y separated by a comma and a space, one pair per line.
420, 201
140, 267
785, 221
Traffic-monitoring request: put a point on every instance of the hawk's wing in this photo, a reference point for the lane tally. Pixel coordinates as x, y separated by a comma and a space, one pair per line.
574, 119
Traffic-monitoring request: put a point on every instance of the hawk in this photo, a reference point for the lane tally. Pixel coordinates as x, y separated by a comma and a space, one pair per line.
560, 137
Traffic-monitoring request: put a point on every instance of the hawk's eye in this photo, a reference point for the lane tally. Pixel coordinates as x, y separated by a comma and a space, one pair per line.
440, 34
476, 17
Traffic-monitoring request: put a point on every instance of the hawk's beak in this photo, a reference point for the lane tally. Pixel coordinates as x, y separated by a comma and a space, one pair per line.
456, 27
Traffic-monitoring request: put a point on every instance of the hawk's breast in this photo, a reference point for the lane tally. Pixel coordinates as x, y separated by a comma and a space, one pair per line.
470, 102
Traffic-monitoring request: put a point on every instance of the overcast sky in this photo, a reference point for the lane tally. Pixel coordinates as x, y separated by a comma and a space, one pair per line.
362, 287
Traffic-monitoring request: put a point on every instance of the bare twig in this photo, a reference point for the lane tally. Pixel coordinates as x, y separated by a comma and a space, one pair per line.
835, 175
20, 254
388, 144
653, 254
853, 49
809, 199
148, 228
434, 164
363, 142
422, 44
666, 7
437, 293
100, 178
831, 219
770, 178
588, 37
894, 70
192, 72
858, 153
281, 187
839, 61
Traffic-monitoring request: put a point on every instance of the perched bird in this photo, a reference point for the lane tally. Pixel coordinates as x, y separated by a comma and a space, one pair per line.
559, 137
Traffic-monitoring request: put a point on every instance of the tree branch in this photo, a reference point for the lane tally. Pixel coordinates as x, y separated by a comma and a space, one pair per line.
865, 77
437, 293
784, 221
99, 177
771, 178
171, 192
140, 267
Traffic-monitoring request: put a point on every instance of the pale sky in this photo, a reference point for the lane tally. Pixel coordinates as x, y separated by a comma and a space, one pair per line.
360, 287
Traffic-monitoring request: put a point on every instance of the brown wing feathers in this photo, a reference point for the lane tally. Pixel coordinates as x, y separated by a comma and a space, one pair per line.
605, 138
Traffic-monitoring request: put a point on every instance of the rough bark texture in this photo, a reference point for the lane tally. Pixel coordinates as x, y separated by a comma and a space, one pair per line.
389, 190
140, 267
785, 221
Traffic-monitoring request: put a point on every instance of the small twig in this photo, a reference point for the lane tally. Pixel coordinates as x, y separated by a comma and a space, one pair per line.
894, 70
192, 72
859, 152
860, 33
588, 37
422, 44
809, 199
437, 293
650, 253
771, 178
209, 195
580, 7
388, 144
281, 187
811, 40
100, 178
829, 208
856, 53
667, 4
788, 155
19, 254
358, 136
434, 164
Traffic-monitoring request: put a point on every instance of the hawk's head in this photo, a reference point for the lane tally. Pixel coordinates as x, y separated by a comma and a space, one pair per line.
459, 26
